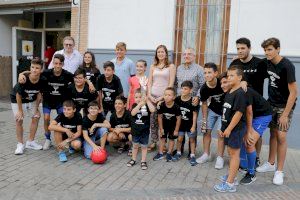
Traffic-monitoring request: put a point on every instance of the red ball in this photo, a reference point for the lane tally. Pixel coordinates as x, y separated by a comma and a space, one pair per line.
99, 157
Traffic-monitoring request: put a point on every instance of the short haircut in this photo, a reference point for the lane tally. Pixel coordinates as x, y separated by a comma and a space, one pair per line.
238, 68
80, 71
188, 84
243, 40
171, 89
60, 57
211, 65
121, 98
69, 103
37, 61
69, 38
271, 41
109, 64
93, 103
223, 75
121, 44
143, 61
138, 91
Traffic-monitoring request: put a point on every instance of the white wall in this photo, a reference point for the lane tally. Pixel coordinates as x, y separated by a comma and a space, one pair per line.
141, 24
261, 19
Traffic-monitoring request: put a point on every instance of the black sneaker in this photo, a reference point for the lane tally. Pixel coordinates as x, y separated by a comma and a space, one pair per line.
248, 179
257, 162
158, 156
168, 157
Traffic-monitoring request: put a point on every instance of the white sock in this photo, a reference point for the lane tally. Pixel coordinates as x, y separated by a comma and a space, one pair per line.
179, 152
192, 155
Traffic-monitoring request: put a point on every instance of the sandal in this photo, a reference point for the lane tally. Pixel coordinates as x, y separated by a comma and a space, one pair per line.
120, 150
129, 152
144, 165
131, 163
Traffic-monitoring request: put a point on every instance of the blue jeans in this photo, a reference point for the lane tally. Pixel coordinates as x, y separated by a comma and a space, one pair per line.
98, 135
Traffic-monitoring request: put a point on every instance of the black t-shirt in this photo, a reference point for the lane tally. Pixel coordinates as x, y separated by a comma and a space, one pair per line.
187, 109
233, 102
254, 72
110, 90
141, 121
81, 99
92, 74
280, 76
122, 122
28, 90
56, 87
217, 97
87, 123
169, 116
260, 106
69, 123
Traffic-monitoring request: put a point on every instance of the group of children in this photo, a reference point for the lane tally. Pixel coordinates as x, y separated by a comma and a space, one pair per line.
240, 113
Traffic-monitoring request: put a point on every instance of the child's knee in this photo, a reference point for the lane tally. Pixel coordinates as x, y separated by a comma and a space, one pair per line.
76, 144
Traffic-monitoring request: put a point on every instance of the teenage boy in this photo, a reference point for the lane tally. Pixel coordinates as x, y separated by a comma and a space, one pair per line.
282, 97
233, 127
211, 114
67, 129
189, 114
94, 127
26, 98
109, 87
169, 118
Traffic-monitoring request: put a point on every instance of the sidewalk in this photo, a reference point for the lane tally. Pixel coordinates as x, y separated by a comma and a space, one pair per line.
39, 175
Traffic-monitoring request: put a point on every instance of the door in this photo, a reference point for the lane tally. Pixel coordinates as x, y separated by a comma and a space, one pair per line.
26, 44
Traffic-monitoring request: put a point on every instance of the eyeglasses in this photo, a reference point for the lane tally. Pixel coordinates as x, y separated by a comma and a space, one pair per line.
68, 45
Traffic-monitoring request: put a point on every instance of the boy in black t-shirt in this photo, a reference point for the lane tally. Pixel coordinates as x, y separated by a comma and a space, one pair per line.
94, 127
233, 128
140, 127
120, 121
67, 129
169, 118
189, 114
27, 97
282, 97
109, 87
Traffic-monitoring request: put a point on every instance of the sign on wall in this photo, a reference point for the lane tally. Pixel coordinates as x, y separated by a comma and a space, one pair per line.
75, 3
27, 48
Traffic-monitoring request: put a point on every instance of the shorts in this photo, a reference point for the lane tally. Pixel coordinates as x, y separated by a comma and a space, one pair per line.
235, 139
98, 135
276, 114
169, 134
213, 119
189, 133
28, 109
47, 109
142, 138
260, 124
65, 136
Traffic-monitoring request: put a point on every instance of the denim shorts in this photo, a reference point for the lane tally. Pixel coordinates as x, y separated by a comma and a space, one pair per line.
212, 120
47, 109
141, 139
99, 133
189, 134
260, 124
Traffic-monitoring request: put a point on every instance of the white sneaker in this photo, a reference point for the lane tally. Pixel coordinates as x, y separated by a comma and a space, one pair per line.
47, 144
278, 178
219, 163
33, 145
20, 149
203, 159
266, 167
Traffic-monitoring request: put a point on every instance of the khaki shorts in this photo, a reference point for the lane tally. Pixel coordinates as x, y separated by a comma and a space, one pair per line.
276, 114
28, 109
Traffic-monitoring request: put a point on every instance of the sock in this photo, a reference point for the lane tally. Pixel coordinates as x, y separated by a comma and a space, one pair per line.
48, 135
230, 184
243, 157
251, 162
179, 152
192, 155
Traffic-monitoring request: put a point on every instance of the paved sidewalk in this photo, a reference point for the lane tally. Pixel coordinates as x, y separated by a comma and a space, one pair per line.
39, 175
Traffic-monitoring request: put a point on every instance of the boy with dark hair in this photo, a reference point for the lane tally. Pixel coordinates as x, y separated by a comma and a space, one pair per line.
67, 129
109, 87
27, 97
94, 127
169, 118
189, 114
282, 97
211, 114
233, 127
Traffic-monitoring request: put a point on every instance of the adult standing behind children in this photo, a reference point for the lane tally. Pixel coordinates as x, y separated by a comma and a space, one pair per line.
73, 59
162, 75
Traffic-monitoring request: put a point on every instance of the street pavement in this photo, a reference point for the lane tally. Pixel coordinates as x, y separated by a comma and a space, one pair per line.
39, 174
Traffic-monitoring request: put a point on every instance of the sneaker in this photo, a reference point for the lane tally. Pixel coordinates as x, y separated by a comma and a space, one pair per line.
62, 157
47, 144
219, 163
20, 149
278, 178
224, 179
243, 170
71, 150
203, 159
176, 157
33, 145
158, 156
193, 161
168, 157
225, 187
257, 162
248, 179
266, 167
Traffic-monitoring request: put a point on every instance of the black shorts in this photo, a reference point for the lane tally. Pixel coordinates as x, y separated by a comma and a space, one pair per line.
169, 134
235, 139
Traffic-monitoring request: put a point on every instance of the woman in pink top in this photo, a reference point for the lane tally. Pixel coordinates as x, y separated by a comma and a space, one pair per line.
162, 75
